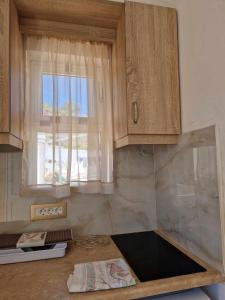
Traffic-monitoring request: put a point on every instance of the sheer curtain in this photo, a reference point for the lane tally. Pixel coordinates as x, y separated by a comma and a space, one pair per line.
68, 140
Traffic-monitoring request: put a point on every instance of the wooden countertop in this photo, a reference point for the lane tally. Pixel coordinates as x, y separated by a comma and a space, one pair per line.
47, 279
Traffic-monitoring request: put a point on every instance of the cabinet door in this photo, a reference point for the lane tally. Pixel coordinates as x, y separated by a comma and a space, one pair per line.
152, 69
119, 81
4, 66
11, 78
16, 74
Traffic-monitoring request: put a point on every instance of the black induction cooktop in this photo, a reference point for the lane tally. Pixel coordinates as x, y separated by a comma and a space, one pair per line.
151, 257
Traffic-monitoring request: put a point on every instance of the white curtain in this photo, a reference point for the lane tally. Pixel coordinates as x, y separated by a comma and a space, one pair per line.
68, 140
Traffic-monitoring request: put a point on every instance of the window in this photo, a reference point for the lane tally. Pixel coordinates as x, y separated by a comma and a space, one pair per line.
72, 102
69, 87
68, 114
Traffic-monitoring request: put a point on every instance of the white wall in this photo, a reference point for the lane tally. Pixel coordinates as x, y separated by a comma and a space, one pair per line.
202, 62
202, 69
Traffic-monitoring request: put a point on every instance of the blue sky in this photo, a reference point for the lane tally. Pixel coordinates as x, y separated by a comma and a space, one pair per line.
78, 90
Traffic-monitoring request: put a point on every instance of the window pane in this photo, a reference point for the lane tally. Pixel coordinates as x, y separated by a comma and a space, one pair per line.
46, 174
79, 95
79, 166
45, 158
62, 101
47, 94
63, 95
68, 94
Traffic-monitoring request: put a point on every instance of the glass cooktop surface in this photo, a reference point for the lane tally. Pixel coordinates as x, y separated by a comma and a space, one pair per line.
151, 257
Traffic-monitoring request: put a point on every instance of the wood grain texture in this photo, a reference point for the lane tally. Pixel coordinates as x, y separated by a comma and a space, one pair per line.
38, 286
4, 66
119, 82
85, 12
16, 74
3, 186
11, 86
67, 30
10, 143
146, 139
152, 69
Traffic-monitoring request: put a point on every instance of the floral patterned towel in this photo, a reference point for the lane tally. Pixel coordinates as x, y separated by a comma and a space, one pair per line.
100, 275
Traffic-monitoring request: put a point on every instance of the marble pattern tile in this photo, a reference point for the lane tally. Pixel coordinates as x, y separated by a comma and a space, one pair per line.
187, 193
132, 206
173, 187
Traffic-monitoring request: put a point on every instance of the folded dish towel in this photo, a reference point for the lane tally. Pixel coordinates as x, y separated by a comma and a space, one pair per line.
100, 275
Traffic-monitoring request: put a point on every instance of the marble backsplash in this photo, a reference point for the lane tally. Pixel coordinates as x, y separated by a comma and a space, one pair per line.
132, 207
170, 187
187, 193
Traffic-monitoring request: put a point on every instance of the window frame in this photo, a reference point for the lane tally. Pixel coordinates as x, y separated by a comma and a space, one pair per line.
41, 123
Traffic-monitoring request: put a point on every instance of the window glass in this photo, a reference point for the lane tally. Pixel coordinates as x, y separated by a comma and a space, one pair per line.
58, 89
53, 156
56, 157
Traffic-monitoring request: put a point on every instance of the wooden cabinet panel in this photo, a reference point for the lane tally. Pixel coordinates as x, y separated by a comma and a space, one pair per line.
119, 82
11, 74
16, 71
4, 65
99, 13
152, 69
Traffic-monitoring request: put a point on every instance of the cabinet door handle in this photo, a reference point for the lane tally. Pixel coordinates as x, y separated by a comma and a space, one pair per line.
135, 112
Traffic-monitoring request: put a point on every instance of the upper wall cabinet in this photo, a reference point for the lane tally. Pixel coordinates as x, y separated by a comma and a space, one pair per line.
146, 77
145, 63
11, 85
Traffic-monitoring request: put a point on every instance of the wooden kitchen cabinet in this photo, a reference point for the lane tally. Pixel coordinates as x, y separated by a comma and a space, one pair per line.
146, 76
11, 78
